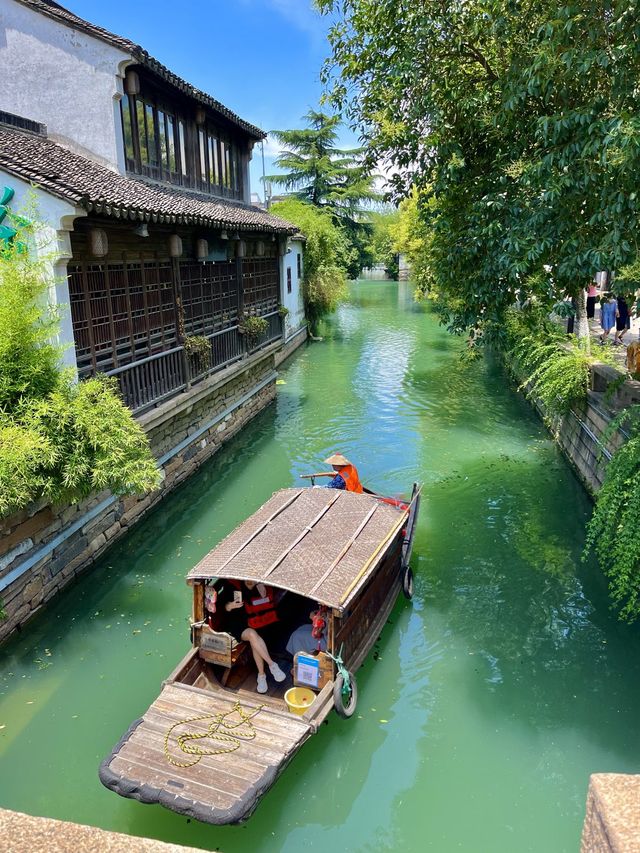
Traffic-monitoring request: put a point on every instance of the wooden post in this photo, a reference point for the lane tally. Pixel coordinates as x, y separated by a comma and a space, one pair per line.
178, 312
240, 299
198, 601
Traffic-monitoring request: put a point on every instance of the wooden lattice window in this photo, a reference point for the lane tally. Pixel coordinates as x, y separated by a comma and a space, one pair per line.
260, 284
121, 312
209, 296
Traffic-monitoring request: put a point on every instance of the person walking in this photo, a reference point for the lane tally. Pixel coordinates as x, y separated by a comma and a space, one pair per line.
592, 295
608, 312
623, 320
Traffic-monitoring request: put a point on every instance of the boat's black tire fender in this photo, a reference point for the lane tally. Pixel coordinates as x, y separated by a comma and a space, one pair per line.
344, 708
407, 582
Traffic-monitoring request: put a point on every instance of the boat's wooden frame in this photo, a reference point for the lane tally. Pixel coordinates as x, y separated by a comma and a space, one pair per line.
223, 788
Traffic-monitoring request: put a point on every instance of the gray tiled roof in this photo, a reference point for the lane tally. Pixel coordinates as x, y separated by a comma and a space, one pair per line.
98, 189
64, 16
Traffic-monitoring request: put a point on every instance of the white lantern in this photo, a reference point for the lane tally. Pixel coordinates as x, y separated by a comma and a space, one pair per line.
175, 246
132, 83
260, 248
202, 249
98, 242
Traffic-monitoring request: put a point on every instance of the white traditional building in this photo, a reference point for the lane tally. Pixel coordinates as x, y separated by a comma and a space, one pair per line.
143, 183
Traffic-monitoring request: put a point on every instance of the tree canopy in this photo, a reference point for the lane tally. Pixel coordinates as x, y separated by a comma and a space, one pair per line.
325, 253
331, 178
59, 439
318, 171
517, 122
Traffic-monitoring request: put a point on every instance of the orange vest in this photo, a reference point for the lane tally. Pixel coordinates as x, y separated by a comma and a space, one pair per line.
261, 610
350, 476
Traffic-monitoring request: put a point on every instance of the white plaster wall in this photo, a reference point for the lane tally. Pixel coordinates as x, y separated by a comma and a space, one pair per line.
293, 301
63, 78
52, 244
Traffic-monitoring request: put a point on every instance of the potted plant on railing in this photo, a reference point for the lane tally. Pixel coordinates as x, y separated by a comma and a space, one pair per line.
283, 311
253, 328
198, 350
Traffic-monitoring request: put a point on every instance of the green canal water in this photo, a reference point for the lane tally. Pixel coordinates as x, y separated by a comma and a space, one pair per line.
488, 700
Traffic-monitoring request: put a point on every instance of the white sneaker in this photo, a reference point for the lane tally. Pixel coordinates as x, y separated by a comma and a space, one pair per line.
262, 684
276, 672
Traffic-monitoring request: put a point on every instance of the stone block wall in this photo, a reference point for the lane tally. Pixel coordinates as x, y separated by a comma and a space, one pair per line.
42, 548
291, 345
581, 436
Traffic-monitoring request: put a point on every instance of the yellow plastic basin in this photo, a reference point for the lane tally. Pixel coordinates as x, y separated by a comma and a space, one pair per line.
298, 699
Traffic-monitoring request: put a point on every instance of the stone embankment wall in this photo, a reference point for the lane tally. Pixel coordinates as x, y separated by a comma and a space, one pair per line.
612, 821
582, 433
291, 345
42, 548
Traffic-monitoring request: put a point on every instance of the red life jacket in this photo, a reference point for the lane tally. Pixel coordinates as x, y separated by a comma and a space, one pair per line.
349, 474
260, 610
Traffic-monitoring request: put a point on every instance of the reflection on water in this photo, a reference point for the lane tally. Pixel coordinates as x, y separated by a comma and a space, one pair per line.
485, 704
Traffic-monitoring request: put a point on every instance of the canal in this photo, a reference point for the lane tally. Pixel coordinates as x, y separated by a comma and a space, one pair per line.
486, 703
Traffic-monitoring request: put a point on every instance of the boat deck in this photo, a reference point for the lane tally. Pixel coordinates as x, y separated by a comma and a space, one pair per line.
242, 682
234, 762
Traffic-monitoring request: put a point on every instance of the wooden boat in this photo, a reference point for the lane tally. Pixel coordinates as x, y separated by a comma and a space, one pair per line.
210, 746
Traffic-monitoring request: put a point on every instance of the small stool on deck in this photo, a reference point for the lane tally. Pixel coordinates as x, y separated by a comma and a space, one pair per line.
221, 648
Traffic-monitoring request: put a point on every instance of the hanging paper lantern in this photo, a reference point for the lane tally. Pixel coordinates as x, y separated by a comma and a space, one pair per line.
98, 242
175, 246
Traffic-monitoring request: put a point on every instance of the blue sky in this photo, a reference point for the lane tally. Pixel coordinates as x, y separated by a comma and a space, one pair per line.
261, 58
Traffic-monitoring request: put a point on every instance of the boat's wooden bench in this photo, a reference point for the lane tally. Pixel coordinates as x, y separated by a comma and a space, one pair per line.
221, 648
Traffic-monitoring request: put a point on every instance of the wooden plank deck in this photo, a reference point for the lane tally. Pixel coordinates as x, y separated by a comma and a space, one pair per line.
223, 788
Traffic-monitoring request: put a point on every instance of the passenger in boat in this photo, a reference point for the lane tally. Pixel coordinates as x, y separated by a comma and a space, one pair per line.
346, 474
310, 637
256, 611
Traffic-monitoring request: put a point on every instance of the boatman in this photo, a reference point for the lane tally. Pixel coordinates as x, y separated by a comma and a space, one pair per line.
346, 474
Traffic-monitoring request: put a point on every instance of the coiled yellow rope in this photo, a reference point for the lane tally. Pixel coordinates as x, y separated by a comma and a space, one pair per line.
218, 721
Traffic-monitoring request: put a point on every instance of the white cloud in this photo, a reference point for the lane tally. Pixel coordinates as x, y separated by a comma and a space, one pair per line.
300, 14
271, 147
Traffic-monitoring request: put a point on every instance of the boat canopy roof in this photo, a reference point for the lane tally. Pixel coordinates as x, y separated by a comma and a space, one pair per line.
318, 542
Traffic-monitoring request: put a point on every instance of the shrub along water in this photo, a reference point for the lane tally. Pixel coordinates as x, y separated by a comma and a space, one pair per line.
612, 532
59, 439
556, 373
549, 367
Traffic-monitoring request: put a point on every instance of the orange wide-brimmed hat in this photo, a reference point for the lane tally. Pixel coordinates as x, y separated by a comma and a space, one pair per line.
337, 459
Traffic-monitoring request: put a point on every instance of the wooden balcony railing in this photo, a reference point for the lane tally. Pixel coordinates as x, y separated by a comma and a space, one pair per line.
150, 381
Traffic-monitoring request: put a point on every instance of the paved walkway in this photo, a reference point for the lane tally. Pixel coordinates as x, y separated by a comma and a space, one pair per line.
618, 352
21, 833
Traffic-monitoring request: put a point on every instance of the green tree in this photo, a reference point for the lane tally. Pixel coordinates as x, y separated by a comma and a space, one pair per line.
58, 439
317, 171
324, 283
382, 247
518, 124
28, 358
